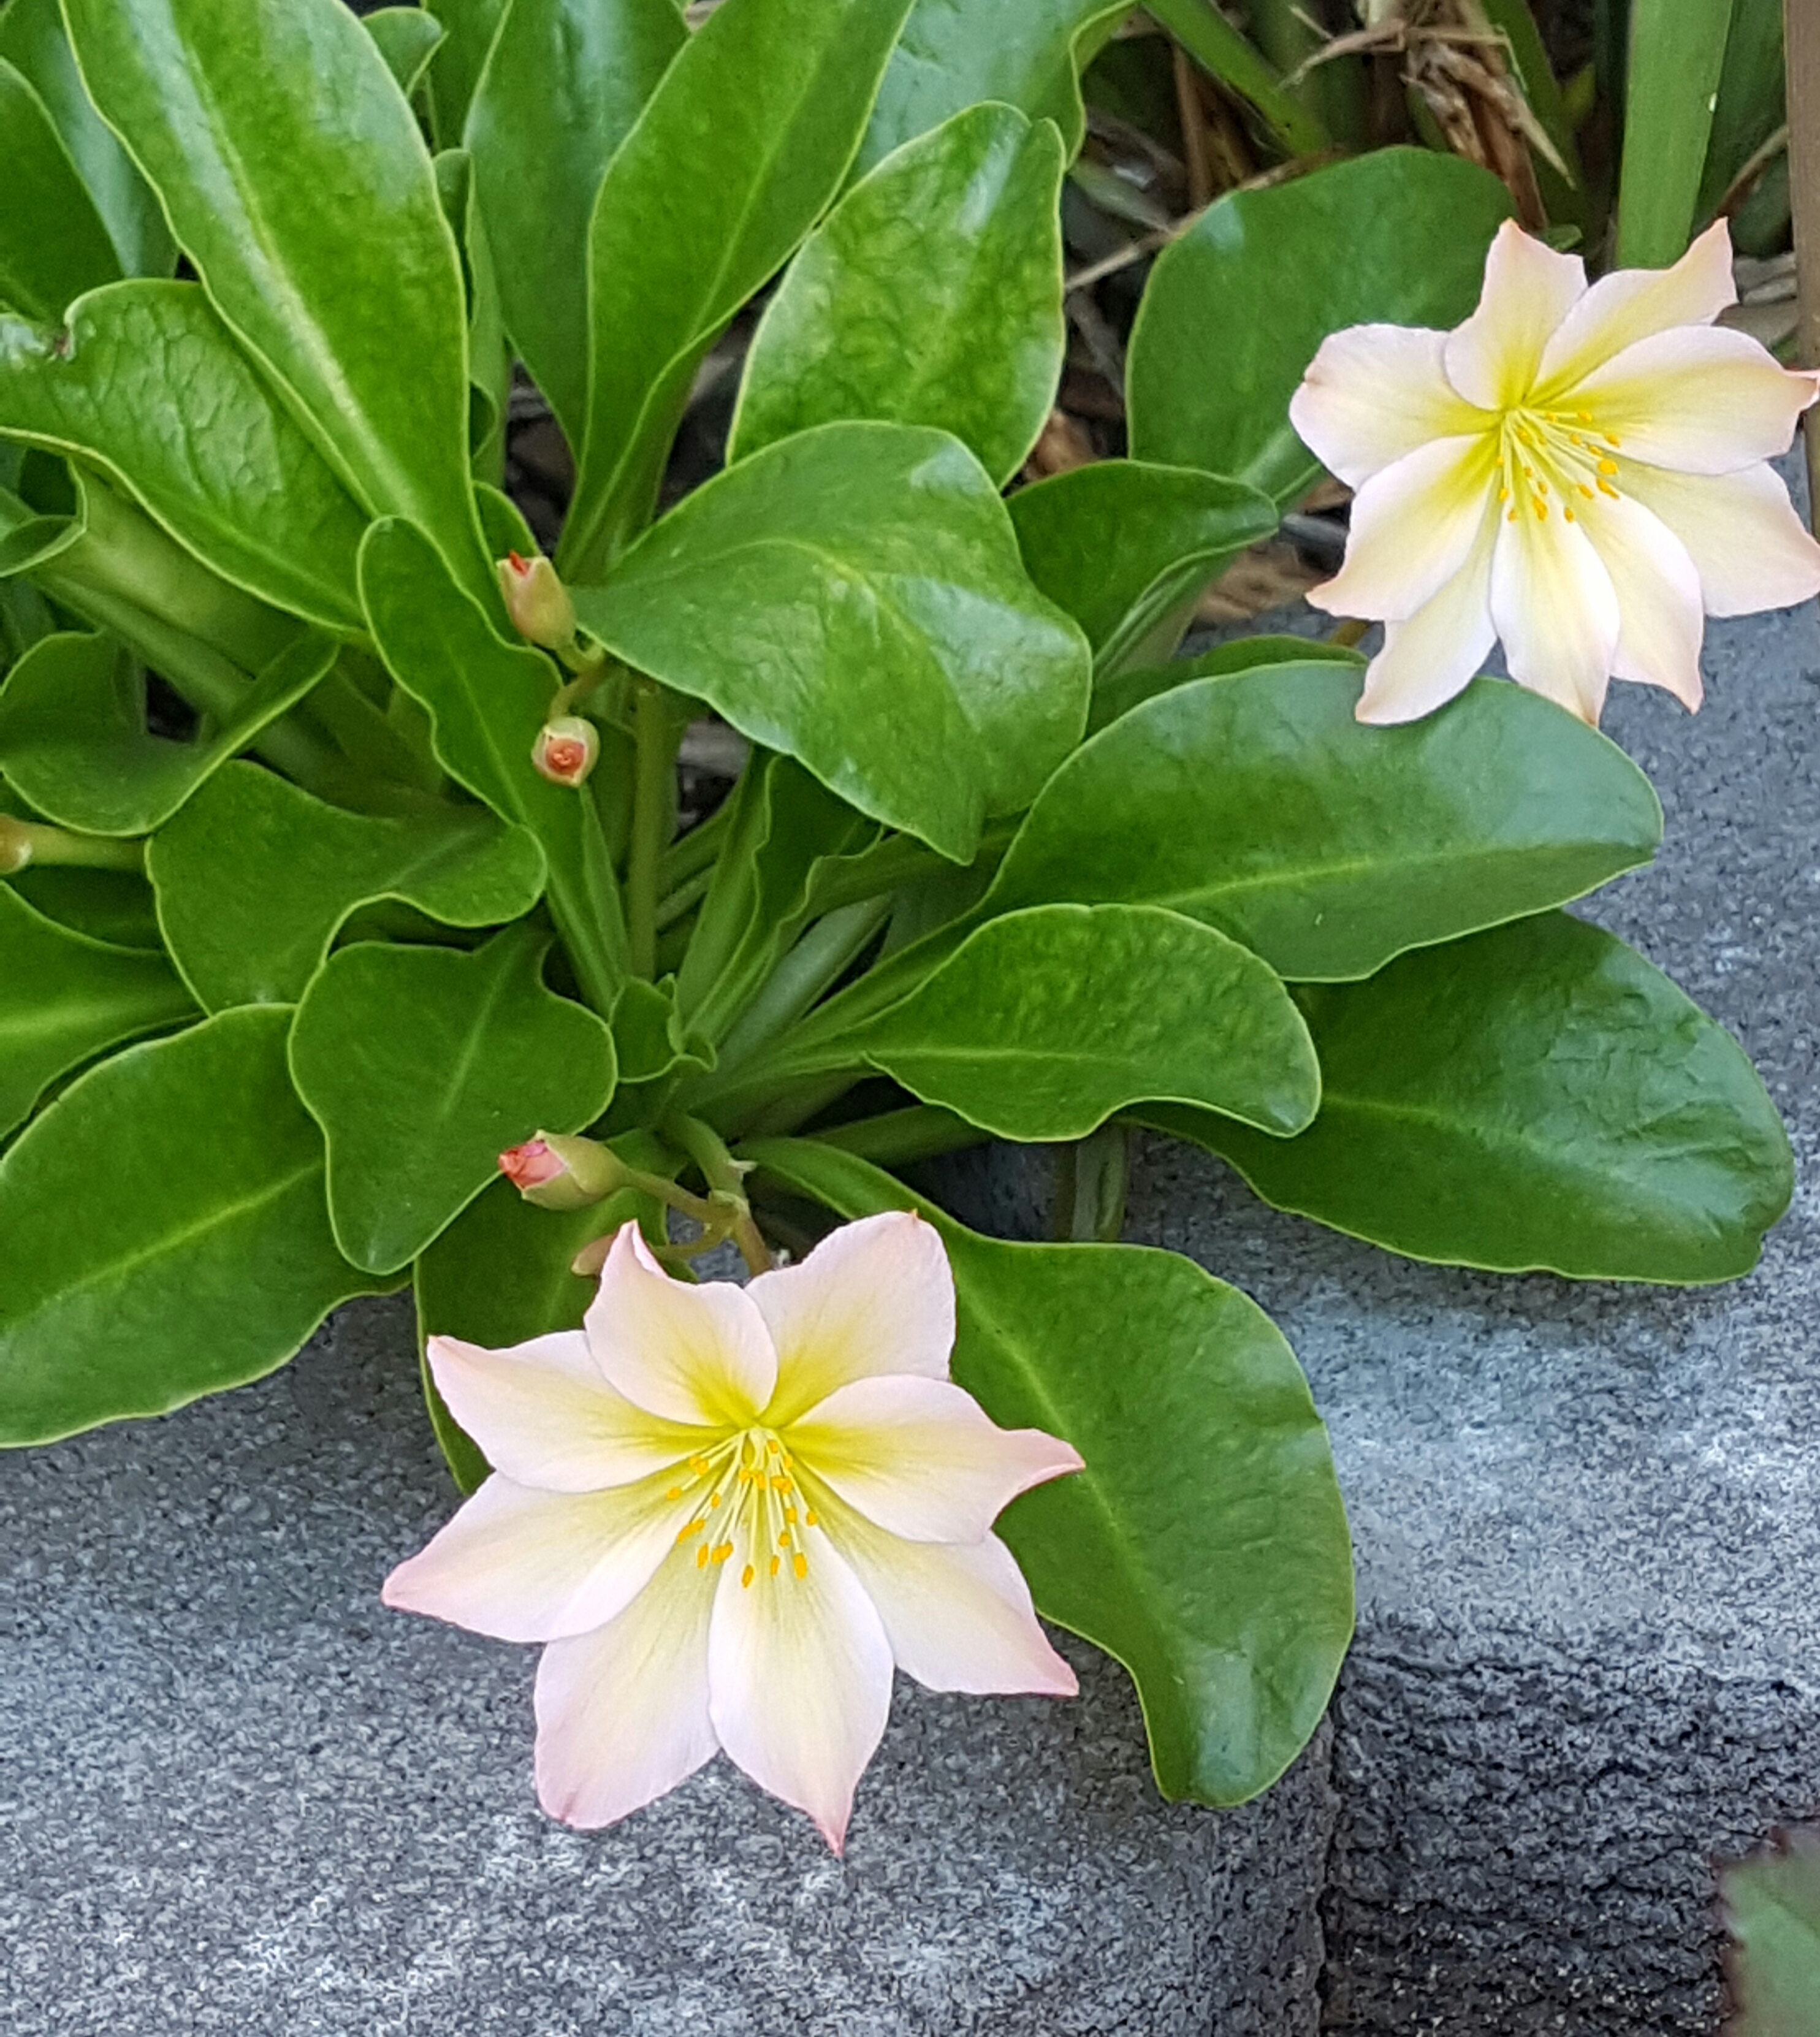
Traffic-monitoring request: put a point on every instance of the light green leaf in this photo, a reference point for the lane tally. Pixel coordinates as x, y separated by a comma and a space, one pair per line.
312, 217
1205, 1545
73, 739
739, 149
486, 700
931, 295
1128, 548
416, 1114
1044, 1023
560, 93
1256, 802
1675, 53
114, 906
1115, 694
147, 382
162, 1233
254, 879
407, 38
53, 244
1771, 1901
65, 998
1535, 1096
1235, 309
853, 597
471, 26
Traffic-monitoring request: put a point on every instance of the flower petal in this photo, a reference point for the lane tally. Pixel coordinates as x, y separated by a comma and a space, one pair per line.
799, 1681
545, 1415
1660, 619
622, 1712
1552, 603
1629, 305
1698, 401
958, 1615
1372, 394
1492, 360
1412, 527
523, 1564
1749, 547
921, 1458
1433, 656
686, 1353
873, 1297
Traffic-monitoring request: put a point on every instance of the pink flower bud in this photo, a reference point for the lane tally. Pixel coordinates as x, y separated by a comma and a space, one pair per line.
537, 601
566, 750
562, 1173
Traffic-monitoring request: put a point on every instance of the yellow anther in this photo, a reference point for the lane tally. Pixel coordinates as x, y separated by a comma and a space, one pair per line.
809, 1518
747, 1576
1585, 491
694, 1527
702, 1557
1529, 474
790, 1513
714, 1499
779, 1483
699, 1466
1542, 488
1504, 495
773, 1445
783, 1540
1568, 514
800, 1565
1606, 488
1510, 516
1608, 467
723, 1552
675, 1492
777, 1564
1541, 509
1611, 438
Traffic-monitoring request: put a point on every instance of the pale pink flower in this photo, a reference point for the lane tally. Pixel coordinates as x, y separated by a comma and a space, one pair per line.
729, 1512
1580, 472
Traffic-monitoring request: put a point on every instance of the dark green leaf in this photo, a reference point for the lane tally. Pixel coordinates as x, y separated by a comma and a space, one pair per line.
853, 597
416, 1113
65, 998
1538, 1097
1205, 1545
1115, 694
1752, 101
471, 26
1236, 307
162, 1233
931, 295
407, 38
115, 906
1044, 1023
256, 877
1772, 1902
147, 382
53, 244
1675, 54
1257, 803
741, 146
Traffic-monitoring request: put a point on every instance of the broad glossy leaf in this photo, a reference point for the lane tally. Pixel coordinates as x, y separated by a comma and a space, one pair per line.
311, 218
422, 1065
1205, 1545
73, 739
53, 244
954, 53
561, 91
163, 1234
254, 879
931, 295
853, 597
486, 700
407, 38
1535, 1097
739, 149
65, 998
1125, 546
114, 906
1044, 1023
471, 25
1257, 803
1235, 309
1115, 694
146, 381
1772, 1900
32, 40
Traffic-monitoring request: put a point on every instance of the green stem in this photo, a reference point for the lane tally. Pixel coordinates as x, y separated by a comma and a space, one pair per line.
726, 1178
820, 958
656, 734
23, 843
674, 905
1225, 54
898, 1138
695, 851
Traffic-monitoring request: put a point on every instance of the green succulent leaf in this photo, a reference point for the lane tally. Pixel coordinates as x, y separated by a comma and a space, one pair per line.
416, 1115
736, 151
312, 218
1117, 693
1256, 802
163, 1234
486, 700
931, 295
53, 244
1205, 1545
1044, 1023
73, 739
113, 906
1127, 548
1537, 1096
470, 27
146, 381
561, 91
407, 39
1236, 307
1772, 1900
254, 879
65, 998
853, 597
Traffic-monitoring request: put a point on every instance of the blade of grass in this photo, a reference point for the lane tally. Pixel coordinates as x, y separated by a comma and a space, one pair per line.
1223, 53
1677, 54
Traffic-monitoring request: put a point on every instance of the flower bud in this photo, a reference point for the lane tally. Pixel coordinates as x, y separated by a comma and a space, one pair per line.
15, 845
561, 1173
566, 750
537, 601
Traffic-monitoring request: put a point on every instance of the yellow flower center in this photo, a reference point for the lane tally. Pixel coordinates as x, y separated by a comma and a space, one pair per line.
1547, 459
743, 1500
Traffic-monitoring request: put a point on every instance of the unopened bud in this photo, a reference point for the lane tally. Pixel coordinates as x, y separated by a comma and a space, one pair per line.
566, 750
15, 845
537, 601
561, 1173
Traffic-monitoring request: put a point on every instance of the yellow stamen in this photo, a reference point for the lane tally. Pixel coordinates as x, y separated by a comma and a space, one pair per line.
694, 1527
675, 1492
1541, 509
1511, 517
1608, 467
1585, 490
1568, 514
800, 1565
747, 1576
702, 1557
777, 1563
1585, 417
1611, 438
723, 1552
809, 1518
1606, 488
